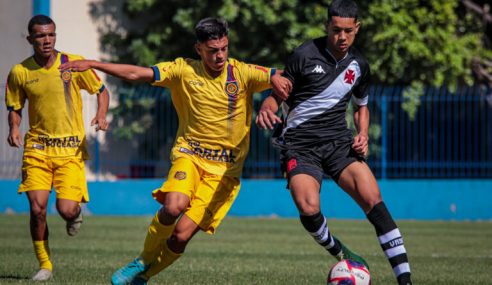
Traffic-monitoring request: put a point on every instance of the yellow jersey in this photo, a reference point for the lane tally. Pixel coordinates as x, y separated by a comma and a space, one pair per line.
56, 128
214, 113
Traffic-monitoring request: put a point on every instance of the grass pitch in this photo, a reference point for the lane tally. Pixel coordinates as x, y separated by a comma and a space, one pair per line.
248, 251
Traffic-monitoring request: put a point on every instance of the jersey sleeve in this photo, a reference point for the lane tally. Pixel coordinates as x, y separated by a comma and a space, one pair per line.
15, 97
258, 77
166, 72
90, 81
293, 67
360, 95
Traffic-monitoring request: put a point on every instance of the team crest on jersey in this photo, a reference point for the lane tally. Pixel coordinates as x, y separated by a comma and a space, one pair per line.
231, 88
180, 175
66, 76
349, 76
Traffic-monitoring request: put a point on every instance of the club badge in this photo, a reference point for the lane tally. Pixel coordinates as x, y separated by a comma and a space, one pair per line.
180, 175
66, 76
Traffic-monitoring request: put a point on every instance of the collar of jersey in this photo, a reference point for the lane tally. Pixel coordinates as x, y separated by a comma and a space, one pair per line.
54, 65
218, 78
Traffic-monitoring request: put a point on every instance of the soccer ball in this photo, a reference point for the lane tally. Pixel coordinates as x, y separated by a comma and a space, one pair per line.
349, 272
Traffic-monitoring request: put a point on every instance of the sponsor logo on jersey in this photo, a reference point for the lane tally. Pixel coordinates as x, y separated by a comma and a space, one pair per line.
196, 83
349, 76
36, 80
318, 69
180, 175
220, 155
71, 141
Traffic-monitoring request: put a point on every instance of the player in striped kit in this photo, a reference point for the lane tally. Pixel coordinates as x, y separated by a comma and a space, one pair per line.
326, 74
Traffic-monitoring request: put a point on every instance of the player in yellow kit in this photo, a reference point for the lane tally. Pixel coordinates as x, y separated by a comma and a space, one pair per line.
213, 100
55, 145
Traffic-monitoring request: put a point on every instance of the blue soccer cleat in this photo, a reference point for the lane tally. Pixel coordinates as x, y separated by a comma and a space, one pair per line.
128, 273
139, 280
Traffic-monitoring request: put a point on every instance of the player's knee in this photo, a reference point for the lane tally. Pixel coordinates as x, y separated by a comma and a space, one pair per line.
370, 202
308, 208
170, 212
68, 212
38, 212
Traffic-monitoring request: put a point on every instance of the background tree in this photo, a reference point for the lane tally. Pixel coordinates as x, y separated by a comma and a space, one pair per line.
415, 43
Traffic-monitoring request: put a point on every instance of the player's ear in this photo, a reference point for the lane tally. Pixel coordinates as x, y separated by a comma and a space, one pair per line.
357, 26
198, 48
29, 39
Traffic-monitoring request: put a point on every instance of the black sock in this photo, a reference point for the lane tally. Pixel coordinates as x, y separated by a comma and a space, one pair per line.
391, 241
318, 228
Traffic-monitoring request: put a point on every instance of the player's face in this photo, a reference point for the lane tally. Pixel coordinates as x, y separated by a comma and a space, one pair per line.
341, 35
42, 39
214, 54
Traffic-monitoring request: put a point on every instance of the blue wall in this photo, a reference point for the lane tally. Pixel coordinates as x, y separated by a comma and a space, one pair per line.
406, 199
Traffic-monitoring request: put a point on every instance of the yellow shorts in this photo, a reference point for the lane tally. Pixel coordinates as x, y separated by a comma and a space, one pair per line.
66, 175
211, 196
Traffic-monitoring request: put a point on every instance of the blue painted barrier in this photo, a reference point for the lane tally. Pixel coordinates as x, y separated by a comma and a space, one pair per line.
406, 199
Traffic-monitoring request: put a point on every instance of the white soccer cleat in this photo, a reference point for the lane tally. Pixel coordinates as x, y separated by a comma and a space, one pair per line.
42, 275
73, 227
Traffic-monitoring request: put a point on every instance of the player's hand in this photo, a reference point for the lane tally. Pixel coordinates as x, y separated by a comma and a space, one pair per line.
15, 139
76, 65
281, 86
267, 119
361, 144
100, 122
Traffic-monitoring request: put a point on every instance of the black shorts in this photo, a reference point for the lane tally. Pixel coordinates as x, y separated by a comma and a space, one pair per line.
330, 158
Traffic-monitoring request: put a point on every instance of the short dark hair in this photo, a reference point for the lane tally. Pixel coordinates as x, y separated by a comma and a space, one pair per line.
39, 20
344, 9
211, 29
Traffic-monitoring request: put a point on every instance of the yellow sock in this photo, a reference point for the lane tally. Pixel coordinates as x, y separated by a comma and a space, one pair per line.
42, 251
156, 235
165, 258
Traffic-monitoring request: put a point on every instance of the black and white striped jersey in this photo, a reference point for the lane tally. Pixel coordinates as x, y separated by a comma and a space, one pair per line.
315, 111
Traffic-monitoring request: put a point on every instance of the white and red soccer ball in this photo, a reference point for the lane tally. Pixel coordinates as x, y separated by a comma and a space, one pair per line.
349, 272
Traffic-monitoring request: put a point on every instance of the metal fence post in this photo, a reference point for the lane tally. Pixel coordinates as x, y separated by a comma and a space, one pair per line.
384, 133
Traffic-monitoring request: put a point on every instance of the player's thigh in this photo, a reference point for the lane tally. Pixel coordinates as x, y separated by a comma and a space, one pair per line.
212, 200
180, 186
69, 179
305, 190
37, 173
359, 182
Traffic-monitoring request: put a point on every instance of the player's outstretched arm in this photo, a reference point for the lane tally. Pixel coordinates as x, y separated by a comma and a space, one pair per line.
102, 108
124, 71
267, 117
15, 139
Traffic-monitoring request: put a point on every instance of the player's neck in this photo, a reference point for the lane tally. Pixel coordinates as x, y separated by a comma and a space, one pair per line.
45, 62
212, 73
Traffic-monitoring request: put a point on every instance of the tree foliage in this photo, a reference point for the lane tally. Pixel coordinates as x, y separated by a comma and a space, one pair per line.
407, 42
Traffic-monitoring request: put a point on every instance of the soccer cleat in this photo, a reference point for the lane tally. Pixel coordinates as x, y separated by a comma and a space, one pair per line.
128, 273
73, 226
42, 275
346, 253
139, 280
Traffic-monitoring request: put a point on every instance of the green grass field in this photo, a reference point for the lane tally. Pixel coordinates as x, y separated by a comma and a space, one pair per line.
248, 251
